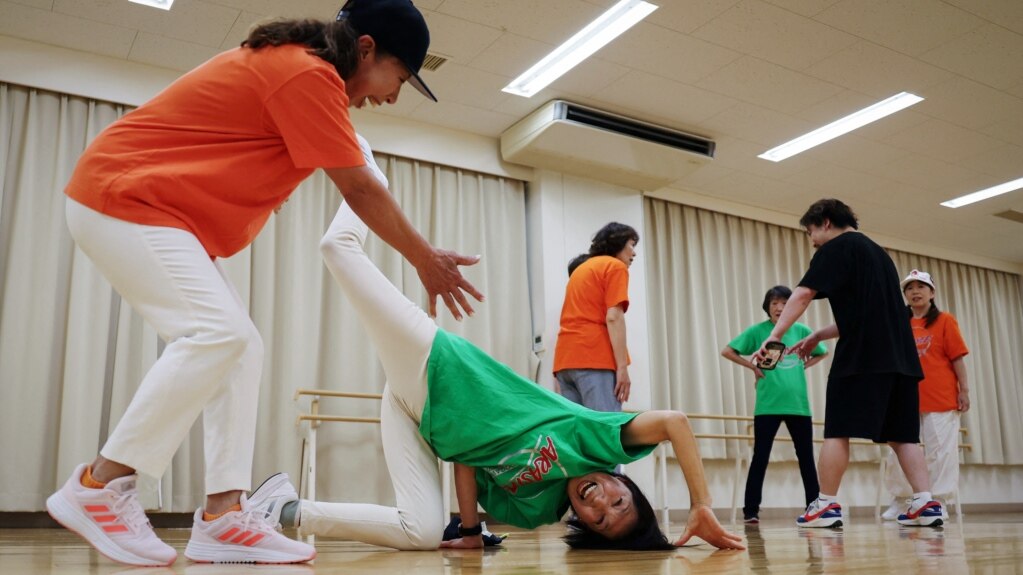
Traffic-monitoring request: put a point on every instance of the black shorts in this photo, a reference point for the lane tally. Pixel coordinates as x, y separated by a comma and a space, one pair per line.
881, 407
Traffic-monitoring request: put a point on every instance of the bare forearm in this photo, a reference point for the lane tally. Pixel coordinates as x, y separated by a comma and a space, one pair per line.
467, 495
815, 360
734, 357
959, 367
616, 332
683, 443
829, 332
653, 427
371, 201
794, 308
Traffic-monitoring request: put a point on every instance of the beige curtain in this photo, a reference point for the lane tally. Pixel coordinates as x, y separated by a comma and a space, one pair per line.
708, 273
72, 354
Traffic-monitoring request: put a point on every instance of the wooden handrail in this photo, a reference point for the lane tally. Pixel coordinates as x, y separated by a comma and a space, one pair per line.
719, 417
308, 417
705, 416
332, 393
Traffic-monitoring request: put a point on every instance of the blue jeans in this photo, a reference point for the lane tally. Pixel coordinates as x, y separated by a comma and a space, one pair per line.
592, 388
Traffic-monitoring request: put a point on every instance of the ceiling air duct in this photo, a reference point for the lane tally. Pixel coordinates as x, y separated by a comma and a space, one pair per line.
591, 143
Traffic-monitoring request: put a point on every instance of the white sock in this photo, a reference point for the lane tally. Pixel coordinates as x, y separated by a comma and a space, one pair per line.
826, 500
921, 498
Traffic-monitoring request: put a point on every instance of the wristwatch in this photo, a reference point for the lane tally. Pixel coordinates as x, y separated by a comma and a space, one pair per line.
469, 531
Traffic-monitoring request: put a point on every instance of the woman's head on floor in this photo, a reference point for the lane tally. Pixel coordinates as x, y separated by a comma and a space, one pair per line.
611, 513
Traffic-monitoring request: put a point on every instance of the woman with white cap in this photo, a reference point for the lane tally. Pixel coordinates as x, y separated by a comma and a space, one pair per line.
192, 176
944, 392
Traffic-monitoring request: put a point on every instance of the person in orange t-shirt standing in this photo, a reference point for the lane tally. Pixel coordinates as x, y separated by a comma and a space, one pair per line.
192, 176
944, 392
591, 359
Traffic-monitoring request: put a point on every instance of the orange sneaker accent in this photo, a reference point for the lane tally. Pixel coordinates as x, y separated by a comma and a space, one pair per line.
210, 516
253, 540
88, 481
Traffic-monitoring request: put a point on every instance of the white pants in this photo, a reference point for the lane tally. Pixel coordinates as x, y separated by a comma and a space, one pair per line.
403, 335
939, 432
213, 360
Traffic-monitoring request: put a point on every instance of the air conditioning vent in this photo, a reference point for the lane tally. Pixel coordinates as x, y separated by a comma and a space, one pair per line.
599, 145
433, 61
641, 130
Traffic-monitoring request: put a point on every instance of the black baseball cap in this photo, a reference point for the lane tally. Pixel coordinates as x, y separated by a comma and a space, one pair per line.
398, 27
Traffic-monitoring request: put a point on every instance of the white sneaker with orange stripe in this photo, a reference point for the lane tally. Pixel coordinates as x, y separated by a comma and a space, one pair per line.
110, 519
244, 536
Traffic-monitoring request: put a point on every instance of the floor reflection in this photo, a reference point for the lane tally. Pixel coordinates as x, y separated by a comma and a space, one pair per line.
981, 544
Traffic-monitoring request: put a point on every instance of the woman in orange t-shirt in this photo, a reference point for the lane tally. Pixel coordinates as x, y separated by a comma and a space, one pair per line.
944, 392
191, 176
591, 359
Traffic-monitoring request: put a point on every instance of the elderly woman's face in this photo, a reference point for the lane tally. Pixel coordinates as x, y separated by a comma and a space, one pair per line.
628, 253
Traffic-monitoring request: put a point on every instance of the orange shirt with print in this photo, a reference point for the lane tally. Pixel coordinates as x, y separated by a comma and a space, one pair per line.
597, 285
221, 147
938, 346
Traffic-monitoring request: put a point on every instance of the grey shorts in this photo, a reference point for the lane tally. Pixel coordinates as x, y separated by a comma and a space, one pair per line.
592, 388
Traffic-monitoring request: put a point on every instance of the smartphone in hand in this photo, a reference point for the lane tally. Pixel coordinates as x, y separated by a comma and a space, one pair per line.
772, 356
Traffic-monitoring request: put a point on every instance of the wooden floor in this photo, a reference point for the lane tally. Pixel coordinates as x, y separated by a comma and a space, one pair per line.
980, 543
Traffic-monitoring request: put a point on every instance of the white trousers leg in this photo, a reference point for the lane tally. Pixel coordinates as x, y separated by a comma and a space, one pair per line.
939, 432
213, 359
403, 335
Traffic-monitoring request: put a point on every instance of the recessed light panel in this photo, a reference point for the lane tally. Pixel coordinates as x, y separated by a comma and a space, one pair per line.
162, 4
842, 126
593, 37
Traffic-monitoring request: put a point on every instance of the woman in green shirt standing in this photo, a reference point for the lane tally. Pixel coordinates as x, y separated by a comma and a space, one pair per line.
523, 452
781, 398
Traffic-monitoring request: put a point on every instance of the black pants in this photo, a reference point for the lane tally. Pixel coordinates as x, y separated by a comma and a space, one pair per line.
765, 427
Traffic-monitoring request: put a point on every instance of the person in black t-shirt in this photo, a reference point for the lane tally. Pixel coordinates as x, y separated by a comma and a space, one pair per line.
872, 386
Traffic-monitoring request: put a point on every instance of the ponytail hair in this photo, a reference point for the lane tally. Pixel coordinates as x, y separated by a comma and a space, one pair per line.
931, 316
576, 262
335, 42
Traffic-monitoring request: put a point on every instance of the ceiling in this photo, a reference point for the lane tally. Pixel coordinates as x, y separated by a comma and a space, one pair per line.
749, 74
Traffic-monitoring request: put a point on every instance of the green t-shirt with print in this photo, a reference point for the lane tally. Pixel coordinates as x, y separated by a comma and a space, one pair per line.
525, 441
782, 391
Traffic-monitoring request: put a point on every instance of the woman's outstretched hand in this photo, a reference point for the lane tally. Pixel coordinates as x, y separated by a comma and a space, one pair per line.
704, 525
441, 277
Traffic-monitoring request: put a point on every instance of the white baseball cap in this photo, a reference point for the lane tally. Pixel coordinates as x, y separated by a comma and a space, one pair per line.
917, 276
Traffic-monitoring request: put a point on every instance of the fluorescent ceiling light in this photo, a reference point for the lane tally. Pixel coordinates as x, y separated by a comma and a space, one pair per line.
164, 4
593, 37
984, 194
842, 126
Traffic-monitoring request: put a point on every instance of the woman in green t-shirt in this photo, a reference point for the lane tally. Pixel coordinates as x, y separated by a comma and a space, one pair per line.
781, 398
523, 452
